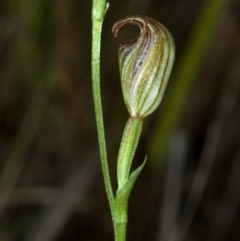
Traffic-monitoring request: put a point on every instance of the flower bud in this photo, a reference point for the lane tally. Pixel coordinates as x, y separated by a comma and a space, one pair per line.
145, 64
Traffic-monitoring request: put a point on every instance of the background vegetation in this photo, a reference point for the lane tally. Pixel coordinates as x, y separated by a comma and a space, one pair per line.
51, 185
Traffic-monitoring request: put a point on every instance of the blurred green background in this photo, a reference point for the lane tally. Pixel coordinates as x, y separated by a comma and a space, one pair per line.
51, 185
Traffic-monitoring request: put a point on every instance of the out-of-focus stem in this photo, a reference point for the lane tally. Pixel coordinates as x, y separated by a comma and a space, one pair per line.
184, 76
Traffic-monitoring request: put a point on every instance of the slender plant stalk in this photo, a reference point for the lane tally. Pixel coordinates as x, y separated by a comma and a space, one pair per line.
127, 149
126, 180
120, 231
98, 12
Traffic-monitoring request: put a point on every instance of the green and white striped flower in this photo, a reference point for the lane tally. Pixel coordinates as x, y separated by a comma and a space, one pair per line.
145, 64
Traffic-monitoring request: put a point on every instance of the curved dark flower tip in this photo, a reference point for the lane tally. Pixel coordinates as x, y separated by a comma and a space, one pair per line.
145, 64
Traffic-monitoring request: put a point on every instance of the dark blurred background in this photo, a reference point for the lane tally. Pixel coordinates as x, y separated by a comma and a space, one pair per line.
51, 185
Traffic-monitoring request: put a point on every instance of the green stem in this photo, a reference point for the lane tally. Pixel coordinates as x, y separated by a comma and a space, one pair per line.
128, 146
98, 12
126, 181
120, 231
